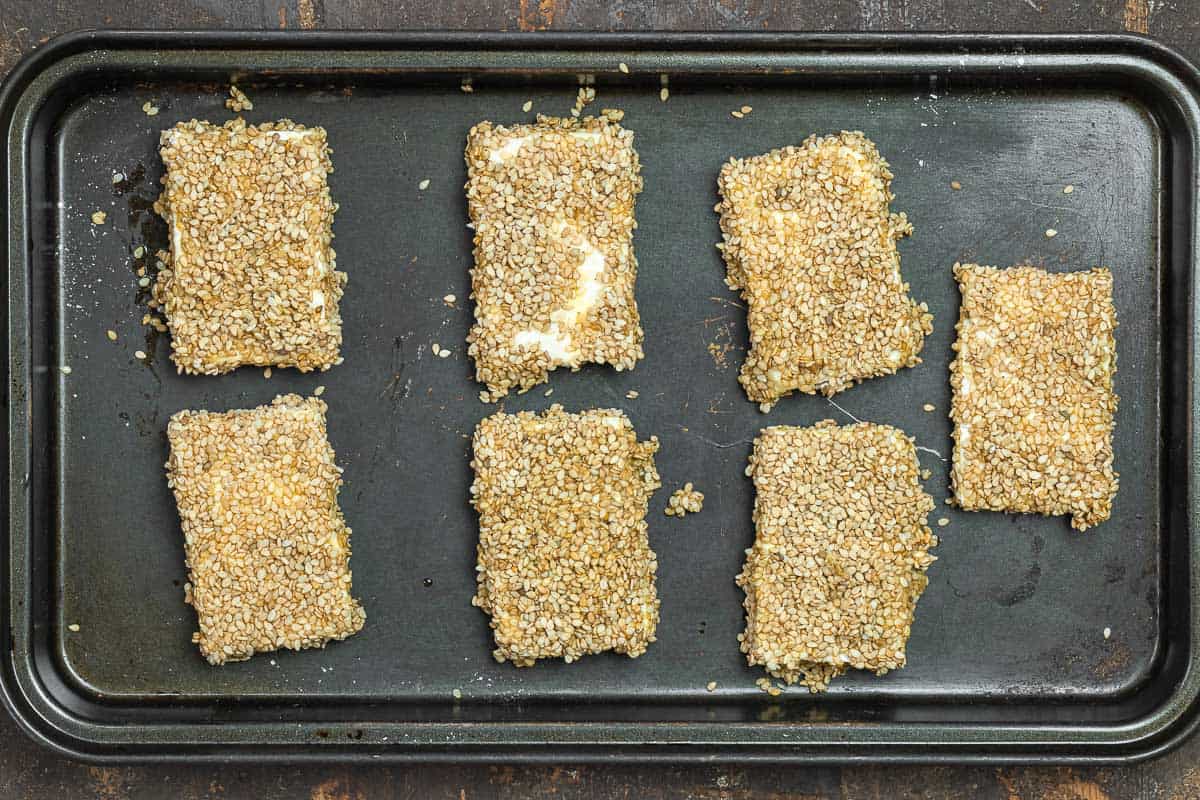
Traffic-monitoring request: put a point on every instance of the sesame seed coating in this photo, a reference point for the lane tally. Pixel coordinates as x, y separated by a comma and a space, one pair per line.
266, 545
552, 205
810, 242
1033, 398
251, 278
564, 563
840, 551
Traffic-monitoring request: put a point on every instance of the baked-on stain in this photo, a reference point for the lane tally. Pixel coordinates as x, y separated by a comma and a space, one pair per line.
1137, 16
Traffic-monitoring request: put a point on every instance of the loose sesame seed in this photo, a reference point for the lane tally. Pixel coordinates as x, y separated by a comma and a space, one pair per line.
663, 94
736, 114
1107, 632
66, 370
457, 693
143, 282
746, 109
118, 177
1051, 233
467, 86
267, 372
435, 348
632, 394
317, 392
943, 522
73, 627
111, 334
528, 106
99, 217
139, 354
445, 353
1068, 189
711, 686
149, 108
548, 392
237, 101
623, 67
423, 185
929, 407
139, 251
449, 299
955, 185
684, 501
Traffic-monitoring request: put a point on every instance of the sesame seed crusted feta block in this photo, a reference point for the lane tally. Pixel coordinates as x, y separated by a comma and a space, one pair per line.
564, 563
1033, 399
840, 551
251, 277
266, 545
810, 242
552, 205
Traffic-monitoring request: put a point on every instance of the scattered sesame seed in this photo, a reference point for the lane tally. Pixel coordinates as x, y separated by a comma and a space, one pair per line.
926, 474
118, 177
684, 501
663, 94
449, 299
711, 686
149, 108
457, 694
1068, 189
736, 114
955, 185
423, 185
632, 394
548, 392
267, 372
317, 392
99, 217
111, 334
943, 522
139, 354
1051, 233
929, 407
467, 86
237, 101
746, 109
143, 282
139, 251
1107, 632
623, 67
435, 348
73, 627
528, 106
446, 352
65, 369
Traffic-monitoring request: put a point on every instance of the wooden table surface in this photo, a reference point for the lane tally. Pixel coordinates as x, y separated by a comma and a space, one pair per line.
27, 771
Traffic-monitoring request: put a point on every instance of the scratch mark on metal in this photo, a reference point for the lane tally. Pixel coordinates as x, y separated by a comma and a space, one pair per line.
839, 408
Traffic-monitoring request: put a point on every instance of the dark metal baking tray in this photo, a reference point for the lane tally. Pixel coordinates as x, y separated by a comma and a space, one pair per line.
1008, 659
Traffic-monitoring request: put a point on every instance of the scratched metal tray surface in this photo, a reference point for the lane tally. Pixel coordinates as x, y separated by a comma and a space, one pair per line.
1032, 642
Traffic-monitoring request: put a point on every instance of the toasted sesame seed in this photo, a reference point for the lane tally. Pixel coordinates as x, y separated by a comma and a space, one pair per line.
817, 491
684, 501
632, 394
926, 474
861, 321
457, 693
736, 114
449, 299
1068, 189
263, 220
445, 353
73, 627
552, 205
118, 177
99, 217
580, 478
711, 686
435, 348
955, 185
139, 354
528, 106
943, 522
1107, 632
746, 109
149, 108
237, 101
266, 546
1051, 233
1037, 352
317, 392
423, 185
66, 370
663, 94
143, 282
111, 334
467, 86
623, 67
139, 251
929, 407
267, 372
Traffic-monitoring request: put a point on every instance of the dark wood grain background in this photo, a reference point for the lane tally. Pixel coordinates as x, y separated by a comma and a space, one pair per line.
27, 771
